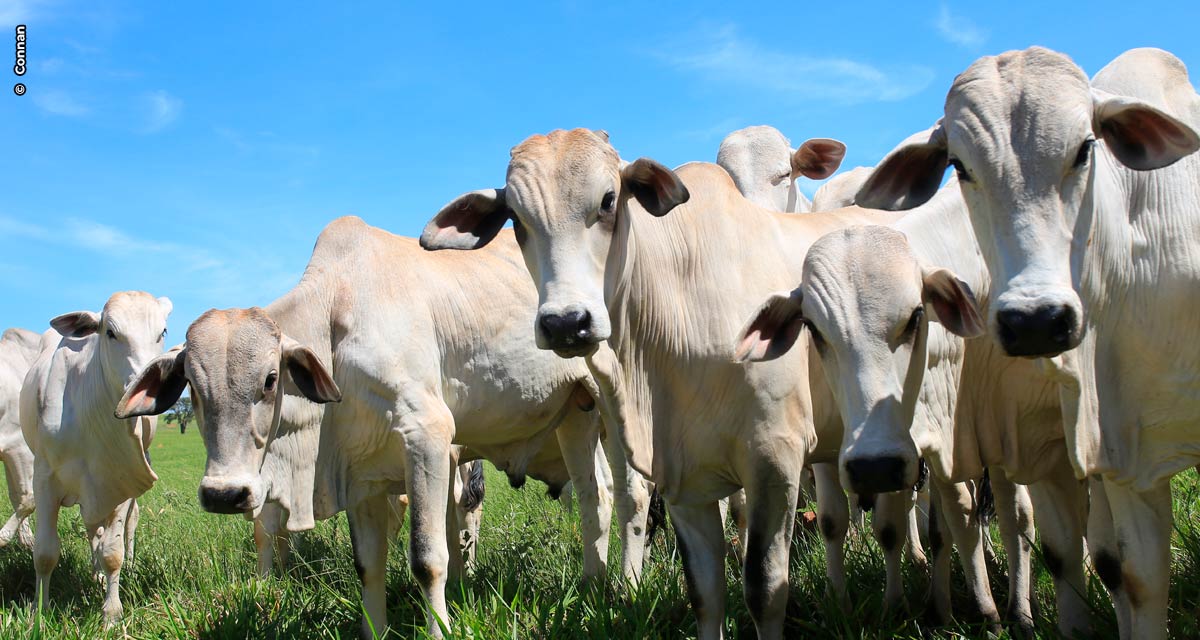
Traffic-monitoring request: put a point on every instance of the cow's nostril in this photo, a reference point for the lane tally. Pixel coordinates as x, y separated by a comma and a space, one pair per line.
567, 329
1062, 326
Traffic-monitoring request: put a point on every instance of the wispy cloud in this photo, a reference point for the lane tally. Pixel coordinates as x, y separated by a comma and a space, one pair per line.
162, 109
14, 12
60, 103
959, 30
720, 54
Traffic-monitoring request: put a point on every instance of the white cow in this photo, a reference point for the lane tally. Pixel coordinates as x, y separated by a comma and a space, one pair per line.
764, 166
414, 352
840, 190
1085, 199
82, 453
18, 350
866, 291
663, 265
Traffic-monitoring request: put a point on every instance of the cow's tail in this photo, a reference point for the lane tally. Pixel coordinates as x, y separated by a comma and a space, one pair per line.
985, 502
473, 488
656, 517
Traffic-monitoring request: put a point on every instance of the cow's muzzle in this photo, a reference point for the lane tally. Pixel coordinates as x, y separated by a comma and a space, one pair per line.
883, 474
1042, 331
219, 496
569, 332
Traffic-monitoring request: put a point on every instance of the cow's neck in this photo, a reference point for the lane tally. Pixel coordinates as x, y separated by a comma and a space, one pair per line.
305, 315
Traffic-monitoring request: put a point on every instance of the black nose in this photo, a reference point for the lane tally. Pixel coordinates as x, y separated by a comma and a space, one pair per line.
224, 500
567, 329
1046, 331
876, 475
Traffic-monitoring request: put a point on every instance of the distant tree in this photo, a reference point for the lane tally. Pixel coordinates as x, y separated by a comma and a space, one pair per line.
183, 413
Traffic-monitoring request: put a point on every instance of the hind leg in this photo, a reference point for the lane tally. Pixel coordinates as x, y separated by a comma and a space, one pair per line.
18, 470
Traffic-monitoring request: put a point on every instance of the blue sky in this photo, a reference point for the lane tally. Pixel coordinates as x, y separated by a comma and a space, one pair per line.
196, 150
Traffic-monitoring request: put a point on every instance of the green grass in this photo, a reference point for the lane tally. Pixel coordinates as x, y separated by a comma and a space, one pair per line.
194, 577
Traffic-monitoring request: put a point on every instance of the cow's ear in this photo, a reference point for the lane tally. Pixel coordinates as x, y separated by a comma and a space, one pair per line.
77, 324
909, 175
656, 187
818, 158
308, 373
1142, 137
952, 302
772, 330
166, 305
157, 388
469, 222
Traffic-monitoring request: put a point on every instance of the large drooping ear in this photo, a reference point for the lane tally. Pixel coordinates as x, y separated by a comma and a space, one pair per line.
656, 187
308, 373
1142, 137
909, 175
772, 330
157, 388
952, 302
77, 324
818, 158
469, 222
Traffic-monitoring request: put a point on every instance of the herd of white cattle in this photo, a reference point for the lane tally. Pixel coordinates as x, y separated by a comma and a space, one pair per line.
1032, 318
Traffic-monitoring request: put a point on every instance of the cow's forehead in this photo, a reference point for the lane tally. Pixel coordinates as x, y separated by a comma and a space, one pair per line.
558, 164
1032, 99
131, 304
758, 141
230, 344
863, 268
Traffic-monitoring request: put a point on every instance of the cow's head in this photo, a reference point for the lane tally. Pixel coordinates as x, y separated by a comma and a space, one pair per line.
129, 332
867, 301
1029, 138
568, 193
236, 363
764, 167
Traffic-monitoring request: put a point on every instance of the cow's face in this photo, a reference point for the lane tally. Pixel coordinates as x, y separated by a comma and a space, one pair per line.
236, 363
569, 195
764, 167
1030, 140
866, 301
130, 332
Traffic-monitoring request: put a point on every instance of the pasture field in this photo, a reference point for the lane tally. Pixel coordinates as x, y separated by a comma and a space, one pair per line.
194, 577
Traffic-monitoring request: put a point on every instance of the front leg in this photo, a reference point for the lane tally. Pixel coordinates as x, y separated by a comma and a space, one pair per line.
700, 534
957, 504
1061, 504
1014, 510
890, 525
110, 554
578, 439
18, 470
368, 534
1103, 549
427, 479
633, 507
834, 521
1143, 522
771, 502
47, 548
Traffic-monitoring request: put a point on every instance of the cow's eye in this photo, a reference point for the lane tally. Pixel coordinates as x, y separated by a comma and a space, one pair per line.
1085, 152
961, 170
269, 384
608, 202
111, 335
162, 335
913, 322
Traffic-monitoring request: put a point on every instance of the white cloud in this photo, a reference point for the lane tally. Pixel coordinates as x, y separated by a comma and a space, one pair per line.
14, 12
959, 30
59, 103
721, 55
162, 109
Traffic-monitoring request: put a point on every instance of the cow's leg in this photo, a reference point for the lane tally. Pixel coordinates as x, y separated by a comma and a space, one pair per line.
1014, 510
633, 505
18, 471
1060, 502
397, 507
110, 552
700, 534
456, 566
741, 521
47, 547
771, 502
1143, 523
469, 522
940, 611
368, 534
131, 522
890, 525
262, 545
578, 439
957, 503
427, 479
1105, 552
833, 520
912, 543
271, 539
